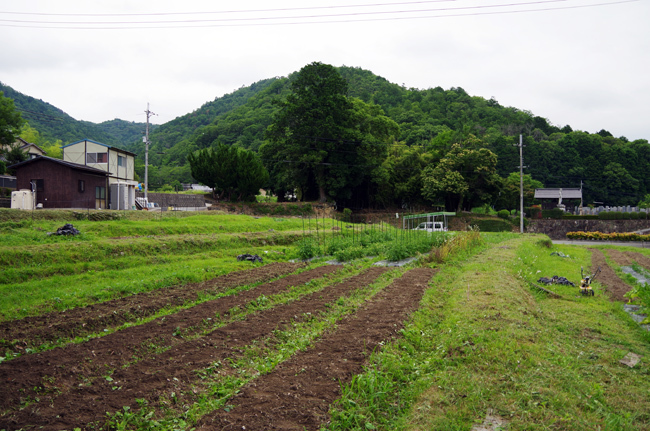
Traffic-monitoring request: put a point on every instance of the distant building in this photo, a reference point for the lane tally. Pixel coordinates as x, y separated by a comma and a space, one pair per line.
565, 198
32, 150
117, 163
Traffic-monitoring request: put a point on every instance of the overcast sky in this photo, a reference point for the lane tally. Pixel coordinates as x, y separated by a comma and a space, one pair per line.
585, 63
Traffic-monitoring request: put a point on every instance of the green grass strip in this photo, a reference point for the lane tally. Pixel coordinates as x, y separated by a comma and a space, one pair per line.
485, 341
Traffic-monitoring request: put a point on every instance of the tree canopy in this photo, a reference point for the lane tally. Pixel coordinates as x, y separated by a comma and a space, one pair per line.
10, 121
232, 172
311, 130
464, 178
324, 143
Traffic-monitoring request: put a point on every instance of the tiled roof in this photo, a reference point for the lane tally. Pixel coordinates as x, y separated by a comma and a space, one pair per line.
567, 193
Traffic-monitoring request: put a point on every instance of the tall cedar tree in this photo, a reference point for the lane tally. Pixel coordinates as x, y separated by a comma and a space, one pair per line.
310, 133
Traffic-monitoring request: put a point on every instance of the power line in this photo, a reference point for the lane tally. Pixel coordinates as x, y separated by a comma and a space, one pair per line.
237, 22
40, 114
228, 11
335, 15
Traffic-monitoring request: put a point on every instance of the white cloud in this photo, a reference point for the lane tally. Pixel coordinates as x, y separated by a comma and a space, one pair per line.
585, 67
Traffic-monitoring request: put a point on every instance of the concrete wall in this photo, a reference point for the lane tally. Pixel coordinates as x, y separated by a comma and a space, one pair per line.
166, 200
557, 229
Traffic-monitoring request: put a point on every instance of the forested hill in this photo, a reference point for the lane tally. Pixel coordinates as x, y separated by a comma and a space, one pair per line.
610, 169
53, 124
424, 116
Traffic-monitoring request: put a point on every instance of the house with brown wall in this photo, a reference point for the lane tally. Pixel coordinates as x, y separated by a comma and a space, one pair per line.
118, 163
61, 184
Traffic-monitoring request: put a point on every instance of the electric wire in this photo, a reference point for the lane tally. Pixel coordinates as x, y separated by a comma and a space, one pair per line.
306, 20
229, 11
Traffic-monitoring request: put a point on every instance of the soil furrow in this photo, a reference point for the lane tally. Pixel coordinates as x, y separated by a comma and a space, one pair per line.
297, 395
35, 330
619, 257
173, 370
68, 366
639, 258
615, 287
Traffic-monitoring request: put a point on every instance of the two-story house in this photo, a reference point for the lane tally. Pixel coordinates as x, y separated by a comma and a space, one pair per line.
118, 163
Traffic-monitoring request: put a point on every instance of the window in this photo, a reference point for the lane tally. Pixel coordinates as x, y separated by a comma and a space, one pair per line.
82, 186
121, 160
96, 158
40, 184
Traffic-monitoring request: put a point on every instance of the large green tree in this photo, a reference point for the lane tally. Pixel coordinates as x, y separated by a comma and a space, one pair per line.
310, 132
230, 171
10, 121
466, 177
326, 145
509, 195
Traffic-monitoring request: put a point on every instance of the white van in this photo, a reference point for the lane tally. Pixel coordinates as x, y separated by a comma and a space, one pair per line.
432, 226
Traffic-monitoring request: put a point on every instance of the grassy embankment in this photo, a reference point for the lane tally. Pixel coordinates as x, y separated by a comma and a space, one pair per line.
110, 259
139, 252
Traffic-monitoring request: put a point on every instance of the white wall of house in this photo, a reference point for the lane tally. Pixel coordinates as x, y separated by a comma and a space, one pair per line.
121, 165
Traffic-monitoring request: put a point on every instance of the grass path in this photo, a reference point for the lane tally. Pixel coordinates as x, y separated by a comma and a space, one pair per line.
485, 341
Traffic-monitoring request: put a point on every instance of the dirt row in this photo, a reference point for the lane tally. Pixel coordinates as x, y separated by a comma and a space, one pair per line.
628, 258
297, 395
33, 331
24, 376
70, 403
614, 286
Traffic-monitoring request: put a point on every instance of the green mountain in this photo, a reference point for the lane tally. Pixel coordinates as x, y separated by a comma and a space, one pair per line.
610, 169
53, 124
240, 118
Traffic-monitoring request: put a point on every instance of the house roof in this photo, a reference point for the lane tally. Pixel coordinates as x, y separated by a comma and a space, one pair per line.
564, 193
25, 144
60, 162
105, 145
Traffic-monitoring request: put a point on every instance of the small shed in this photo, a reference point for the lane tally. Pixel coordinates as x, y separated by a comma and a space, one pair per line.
565, 198
61, 184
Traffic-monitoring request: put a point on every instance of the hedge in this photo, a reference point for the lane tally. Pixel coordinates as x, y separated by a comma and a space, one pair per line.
619, 215
599, 236
555, 213
495, 225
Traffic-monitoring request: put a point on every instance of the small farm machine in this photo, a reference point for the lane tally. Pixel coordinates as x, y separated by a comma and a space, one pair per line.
585, 283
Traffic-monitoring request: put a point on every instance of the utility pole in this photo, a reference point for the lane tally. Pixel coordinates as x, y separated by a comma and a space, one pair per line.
146, 155
521, 184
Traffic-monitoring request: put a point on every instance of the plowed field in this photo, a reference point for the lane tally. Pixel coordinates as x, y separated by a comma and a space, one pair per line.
162, 360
